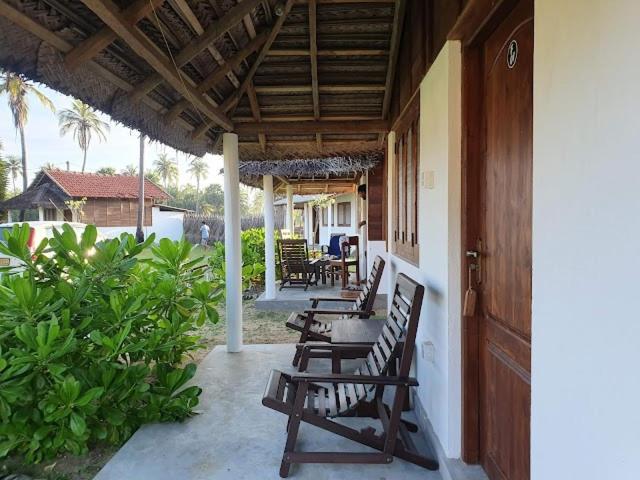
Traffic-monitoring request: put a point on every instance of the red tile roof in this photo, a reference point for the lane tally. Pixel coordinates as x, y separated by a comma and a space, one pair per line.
91, 185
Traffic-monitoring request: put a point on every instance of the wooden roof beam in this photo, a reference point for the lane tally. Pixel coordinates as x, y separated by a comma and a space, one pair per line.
396, 34
349, 88
185, 11
214, 77
313, 55
63, 46
233, 100
309, 128
189, 52
105, 36
109, 13
293, 52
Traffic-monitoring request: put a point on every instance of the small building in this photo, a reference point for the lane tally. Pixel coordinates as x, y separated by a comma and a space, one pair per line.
110, 202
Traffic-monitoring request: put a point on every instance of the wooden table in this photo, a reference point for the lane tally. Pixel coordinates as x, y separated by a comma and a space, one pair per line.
356, 330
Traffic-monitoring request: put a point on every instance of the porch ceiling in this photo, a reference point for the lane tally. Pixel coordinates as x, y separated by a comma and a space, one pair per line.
184, 72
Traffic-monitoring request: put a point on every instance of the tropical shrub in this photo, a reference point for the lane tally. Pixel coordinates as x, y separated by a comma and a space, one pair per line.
93, 337
253, 258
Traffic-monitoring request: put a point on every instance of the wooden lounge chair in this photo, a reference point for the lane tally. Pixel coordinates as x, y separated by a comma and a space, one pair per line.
296, 268
311, 328
318, 398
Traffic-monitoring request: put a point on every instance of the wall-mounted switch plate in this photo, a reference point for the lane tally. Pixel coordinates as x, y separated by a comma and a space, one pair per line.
429, 352
428, 179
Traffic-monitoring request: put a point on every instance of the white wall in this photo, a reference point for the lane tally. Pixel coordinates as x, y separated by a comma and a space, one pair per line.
351, 230
165, 224
586, 226
438, 343
168, 224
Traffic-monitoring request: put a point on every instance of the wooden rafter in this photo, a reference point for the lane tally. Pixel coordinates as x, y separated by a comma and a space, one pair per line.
63, 46
217, 75
313, 56
320, 126
185, 11
212, 33
233, 100
109, 13
105, 36
350, 88
396, 34
306, 118
301, 52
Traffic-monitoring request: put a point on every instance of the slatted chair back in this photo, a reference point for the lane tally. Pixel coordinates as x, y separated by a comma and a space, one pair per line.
367, 296
294, 256
401, 325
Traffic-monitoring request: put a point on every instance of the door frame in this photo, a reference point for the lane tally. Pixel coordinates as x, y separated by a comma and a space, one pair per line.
478, 20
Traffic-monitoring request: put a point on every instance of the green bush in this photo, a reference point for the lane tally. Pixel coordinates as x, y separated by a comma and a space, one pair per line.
92, 338
253, 258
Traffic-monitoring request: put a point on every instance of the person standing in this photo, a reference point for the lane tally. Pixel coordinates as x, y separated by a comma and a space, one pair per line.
204, 234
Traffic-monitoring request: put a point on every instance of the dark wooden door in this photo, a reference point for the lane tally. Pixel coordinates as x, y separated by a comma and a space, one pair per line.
505, 328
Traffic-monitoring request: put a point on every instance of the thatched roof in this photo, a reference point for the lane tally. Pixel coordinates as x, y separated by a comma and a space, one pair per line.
158, 74
47, 195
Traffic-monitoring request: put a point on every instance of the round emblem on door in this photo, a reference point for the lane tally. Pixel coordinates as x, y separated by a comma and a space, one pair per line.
512, 54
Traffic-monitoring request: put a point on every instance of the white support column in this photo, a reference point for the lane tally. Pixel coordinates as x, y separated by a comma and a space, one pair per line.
329, 222
41, 214
269, 242
310, 236
9, 216
233, 250
289, 214
306, 222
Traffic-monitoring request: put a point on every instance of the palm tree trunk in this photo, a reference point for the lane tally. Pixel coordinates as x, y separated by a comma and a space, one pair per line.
84, 158
197, 194
25, 177
140, 222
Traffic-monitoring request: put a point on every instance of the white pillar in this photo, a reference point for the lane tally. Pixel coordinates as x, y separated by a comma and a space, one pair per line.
305, 222
310, 236
233, 250
329, 222
289, 214
41, 213
269, 242
9, 216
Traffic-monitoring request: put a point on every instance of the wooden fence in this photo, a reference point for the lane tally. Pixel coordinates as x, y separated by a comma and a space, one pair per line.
193, 221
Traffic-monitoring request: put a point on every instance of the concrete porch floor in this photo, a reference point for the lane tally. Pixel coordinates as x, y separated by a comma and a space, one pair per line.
297, 299
235, 437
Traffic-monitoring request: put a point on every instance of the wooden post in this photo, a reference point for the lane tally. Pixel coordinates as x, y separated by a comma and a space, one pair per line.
232, 245
41, 214
269, 241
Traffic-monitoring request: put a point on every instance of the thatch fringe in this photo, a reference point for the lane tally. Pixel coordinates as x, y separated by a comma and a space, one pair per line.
336, 166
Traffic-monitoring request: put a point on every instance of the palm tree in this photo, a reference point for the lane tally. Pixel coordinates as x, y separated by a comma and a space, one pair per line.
166, 168
14, 168
130, 170
84, 122
17, 89
199, 169
48, 166
207, 209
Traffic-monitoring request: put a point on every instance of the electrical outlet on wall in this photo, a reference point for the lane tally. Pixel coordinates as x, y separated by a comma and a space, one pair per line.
429, 351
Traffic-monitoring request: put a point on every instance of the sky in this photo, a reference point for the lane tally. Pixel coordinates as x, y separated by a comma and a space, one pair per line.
44, 143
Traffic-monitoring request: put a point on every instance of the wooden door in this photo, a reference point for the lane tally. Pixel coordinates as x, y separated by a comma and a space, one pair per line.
505, 246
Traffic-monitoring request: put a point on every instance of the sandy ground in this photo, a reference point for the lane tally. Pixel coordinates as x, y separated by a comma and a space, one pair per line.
258, 327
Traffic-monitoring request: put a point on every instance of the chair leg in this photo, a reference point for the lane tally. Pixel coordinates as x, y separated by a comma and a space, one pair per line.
294, 425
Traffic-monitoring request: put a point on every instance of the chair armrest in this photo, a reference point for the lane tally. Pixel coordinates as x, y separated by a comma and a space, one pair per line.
333, 347
320, 311
332, 299
361, 379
